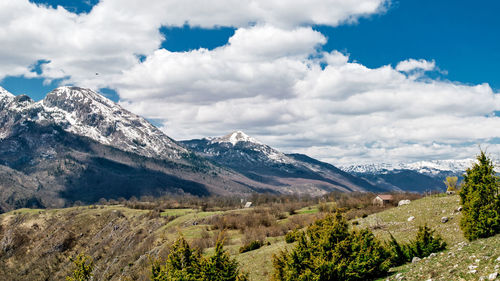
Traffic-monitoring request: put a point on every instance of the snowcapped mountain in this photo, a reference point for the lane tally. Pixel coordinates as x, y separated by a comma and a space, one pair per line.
86, 113
432, 167
241, 141
416, 176
75, 145
5, 97
237, 149
262, 163
234, 138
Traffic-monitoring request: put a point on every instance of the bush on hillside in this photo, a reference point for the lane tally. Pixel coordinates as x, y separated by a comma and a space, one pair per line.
480, 200
399, 253
184, 263
292, 236
328, 250
425, 243
451, 184
254, 245
84, 267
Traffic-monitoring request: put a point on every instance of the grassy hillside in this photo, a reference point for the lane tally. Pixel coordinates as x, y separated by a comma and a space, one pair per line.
452, 264
37, 244
461, 258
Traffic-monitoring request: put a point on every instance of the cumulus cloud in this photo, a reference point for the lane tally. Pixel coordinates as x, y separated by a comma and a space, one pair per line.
261, 60
271, 80
311, 101
413, 64
108, 39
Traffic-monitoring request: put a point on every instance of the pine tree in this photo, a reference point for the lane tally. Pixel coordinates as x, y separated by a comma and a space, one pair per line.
426, 243
480, 200
186, 264
330, 251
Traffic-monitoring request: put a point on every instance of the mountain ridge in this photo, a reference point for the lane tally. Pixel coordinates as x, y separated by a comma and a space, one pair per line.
427, 167
75, 142
76, 145
263, 163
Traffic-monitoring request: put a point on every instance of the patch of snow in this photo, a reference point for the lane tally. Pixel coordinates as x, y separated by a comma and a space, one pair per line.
235, 138
432, 167
4, 94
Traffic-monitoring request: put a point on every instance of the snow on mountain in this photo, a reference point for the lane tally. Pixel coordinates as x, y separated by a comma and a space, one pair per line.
432, 167
235, 138
86, 113
5, 97
265, 164
243, 141
4, 93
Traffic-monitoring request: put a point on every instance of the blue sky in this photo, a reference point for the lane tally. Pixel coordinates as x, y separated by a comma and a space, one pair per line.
341, 81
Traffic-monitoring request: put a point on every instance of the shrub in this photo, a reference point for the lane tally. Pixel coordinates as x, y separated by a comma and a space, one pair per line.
451, 183
84, 267
425, 243
480, 200
328, 250
399, 253
184, 263
291, 236
254, 245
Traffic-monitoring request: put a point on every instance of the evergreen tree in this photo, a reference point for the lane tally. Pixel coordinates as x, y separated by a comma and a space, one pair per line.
425, 243
329, 251
186, 264
480, 200
220, 267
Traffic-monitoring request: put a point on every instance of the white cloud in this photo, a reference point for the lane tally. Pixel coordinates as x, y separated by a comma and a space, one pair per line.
107, 40
261, 60
413, 64
77, 46
239, 13
343, 112
271, 80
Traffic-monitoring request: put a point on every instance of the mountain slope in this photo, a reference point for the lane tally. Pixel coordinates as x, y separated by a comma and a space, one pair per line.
86, 113
262, 163
76, 145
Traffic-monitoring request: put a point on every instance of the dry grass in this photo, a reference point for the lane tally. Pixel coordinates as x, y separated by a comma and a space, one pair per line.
36, 244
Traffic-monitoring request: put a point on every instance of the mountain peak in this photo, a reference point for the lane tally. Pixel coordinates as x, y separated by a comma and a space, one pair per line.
67, 96
235, 137
5, 97
4, 92
87, 113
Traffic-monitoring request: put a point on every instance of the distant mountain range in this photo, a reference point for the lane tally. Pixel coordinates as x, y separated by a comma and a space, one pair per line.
76, 145
425, 167
419, 176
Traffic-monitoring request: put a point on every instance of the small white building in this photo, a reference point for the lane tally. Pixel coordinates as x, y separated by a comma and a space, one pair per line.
248, 204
